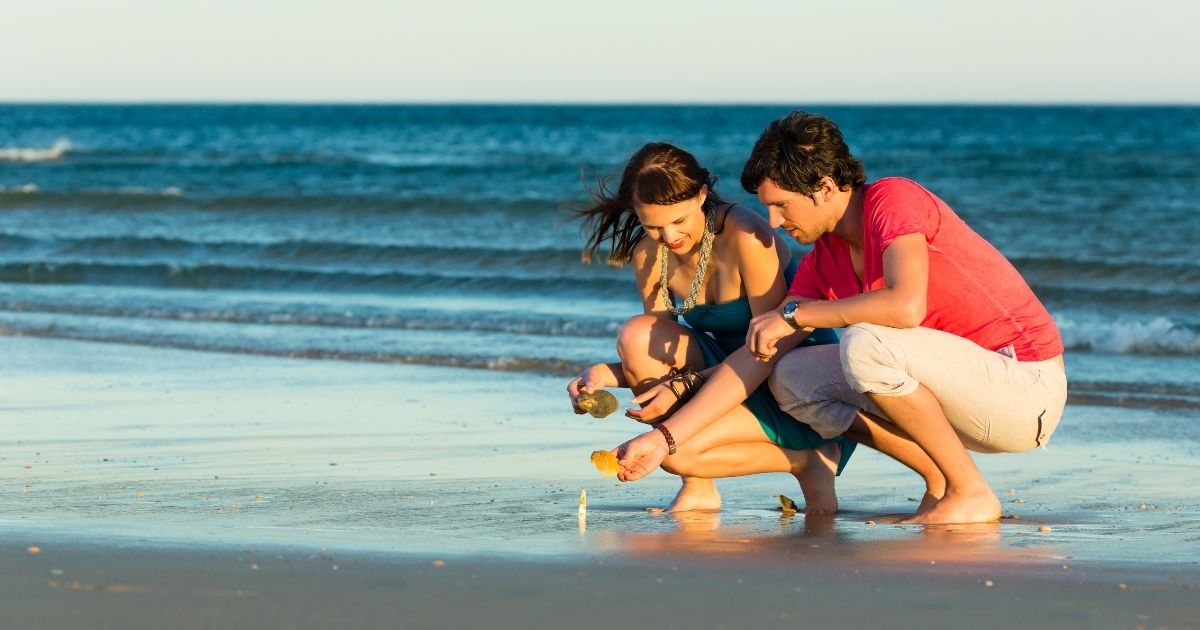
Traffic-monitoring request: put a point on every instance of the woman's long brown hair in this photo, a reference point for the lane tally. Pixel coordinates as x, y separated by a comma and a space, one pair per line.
660, 174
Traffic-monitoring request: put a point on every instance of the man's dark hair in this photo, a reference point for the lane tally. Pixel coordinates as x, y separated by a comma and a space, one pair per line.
798, 150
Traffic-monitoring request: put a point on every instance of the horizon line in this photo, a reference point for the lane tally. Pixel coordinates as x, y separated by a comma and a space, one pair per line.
533, 103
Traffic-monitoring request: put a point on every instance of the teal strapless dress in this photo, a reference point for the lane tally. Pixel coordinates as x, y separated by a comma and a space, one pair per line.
720, 329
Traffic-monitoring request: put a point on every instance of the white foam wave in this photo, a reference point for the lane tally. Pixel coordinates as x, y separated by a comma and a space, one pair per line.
28, 189
169, 191
1157, 336
23, 154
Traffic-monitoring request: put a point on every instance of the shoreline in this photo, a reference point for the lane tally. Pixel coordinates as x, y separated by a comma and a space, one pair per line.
146, 476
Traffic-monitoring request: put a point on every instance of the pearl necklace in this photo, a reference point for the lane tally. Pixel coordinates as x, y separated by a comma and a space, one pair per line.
706, 243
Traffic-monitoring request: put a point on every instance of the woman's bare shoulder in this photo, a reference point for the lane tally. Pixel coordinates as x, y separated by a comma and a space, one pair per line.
643, 257
748, 228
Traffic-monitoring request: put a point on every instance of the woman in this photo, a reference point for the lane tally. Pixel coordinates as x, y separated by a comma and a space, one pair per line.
726, 263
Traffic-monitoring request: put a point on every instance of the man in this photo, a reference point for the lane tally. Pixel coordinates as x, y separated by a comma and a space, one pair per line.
946, 348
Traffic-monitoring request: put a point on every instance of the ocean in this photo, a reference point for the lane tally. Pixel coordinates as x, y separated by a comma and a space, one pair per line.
442, 235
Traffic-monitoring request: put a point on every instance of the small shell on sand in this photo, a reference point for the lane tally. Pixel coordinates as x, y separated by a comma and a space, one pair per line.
606, 463
599, 403
787, 505
1044, 528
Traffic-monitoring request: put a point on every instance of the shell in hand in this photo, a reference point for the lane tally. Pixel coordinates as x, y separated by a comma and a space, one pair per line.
606, 463
599, 403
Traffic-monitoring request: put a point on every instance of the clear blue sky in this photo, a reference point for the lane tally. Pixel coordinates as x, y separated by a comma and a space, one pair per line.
602, 51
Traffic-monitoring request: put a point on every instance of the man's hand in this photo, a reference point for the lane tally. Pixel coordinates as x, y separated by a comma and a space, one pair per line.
657, 404
641, 455
587, 383
764, 331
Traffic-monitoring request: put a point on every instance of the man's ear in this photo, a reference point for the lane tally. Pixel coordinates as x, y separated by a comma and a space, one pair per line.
828, 188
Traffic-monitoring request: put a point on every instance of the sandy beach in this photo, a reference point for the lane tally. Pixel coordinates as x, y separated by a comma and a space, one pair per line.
145, 485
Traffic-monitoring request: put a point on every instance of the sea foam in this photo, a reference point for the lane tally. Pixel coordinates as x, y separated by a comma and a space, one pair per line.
24, 154
1157, 336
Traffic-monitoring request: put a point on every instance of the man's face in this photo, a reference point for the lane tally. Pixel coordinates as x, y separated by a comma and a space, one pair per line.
803, 218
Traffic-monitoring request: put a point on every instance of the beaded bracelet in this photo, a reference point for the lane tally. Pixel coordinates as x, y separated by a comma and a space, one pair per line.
667, 434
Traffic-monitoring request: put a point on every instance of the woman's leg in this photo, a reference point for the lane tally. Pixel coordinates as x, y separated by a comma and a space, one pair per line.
736, 445
650, 347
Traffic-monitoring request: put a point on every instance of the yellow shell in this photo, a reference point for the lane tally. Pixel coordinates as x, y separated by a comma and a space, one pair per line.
606, 463
787, 505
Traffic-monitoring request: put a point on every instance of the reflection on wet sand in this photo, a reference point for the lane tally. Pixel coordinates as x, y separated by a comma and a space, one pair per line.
832, 539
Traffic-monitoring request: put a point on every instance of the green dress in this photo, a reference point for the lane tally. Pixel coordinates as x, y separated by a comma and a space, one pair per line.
720, 329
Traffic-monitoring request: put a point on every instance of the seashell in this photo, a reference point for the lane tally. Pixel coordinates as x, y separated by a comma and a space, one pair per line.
599, 403
606, 463
787, 505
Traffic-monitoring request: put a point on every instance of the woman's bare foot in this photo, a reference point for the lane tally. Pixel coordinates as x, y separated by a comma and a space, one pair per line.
696, 494
927, 502
979, 506
816, 479
935, 489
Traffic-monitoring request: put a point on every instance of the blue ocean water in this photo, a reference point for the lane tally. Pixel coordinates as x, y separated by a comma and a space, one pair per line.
440, 234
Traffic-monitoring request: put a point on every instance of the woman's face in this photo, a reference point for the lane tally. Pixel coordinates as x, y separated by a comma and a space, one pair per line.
679, 226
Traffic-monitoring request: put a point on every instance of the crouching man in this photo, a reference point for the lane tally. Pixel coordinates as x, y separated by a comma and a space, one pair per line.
945, 346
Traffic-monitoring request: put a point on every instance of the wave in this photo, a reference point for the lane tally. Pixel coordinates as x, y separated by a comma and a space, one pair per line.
1159, 336
507, 363
383, 319
367, 203
19, 154
483, 260
1146, 299
1141, 395
221, 276
1113, 274
1170, 396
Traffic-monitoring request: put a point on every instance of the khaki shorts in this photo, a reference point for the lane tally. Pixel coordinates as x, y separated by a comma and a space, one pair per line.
994, 402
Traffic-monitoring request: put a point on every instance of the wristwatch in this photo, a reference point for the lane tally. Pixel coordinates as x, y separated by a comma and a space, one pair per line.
789, 314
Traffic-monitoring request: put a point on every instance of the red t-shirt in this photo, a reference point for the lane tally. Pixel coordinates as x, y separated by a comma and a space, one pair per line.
974, 292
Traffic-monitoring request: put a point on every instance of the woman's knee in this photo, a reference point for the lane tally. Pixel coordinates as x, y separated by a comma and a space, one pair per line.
634, 335
677, 464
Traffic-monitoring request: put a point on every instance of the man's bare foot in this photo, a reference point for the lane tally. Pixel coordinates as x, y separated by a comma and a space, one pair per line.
816, 479
973, 507
696, 494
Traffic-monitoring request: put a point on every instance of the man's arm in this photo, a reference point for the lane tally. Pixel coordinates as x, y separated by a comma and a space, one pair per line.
901, 303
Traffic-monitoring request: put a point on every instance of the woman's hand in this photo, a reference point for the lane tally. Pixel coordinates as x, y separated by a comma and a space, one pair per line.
764, 331
641, 455
657, 404
587, 383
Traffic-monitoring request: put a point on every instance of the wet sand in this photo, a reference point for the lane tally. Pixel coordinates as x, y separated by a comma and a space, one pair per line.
152, 483
68, 586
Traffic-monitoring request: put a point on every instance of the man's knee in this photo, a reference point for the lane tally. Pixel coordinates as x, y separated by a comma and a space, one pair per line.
871, 363
801, 376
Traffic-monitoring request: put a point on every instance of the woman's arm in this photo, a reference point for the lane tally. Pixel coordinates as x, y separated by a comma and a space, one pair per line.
732, 381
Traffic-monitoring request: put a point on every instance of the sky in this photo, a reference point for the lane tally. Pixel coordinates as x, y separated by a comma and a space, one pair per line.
625, 51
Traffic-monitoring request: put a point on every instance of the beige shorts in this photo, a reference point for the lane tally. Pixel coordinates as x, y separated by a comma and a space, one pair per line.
994, 402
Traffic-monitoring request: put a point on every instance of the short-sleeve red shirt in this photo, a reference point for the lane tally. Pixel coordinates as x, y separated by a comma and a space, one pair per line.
974, 292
